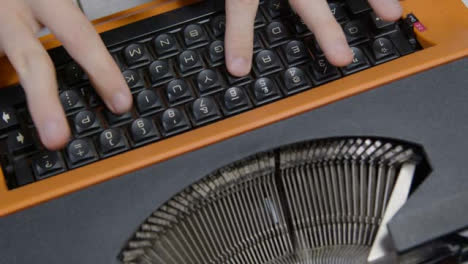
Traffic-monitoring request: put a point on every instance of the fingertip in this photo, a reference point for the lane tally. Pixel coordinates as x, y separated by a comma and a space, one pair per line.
121, 102
239, 66
388, 10
54, 133
392, 14
340, 54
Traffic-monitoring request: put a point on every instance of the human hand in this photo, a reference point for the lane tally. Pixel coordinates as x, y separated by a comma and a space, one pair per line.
316, 14
20, 20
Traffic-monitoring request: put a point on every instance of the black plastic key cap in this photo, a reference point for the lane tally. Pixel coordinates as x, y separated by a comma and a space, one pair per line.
178, 91
117, 120
295, 52
86, 122
355, 32
218, 25
266, 62
148, 102
23, 173
160, 72
71, 101
165, 45
295, 80
380, 24
189, 61
195, 35
8, 118
338, 11
19, 141
174, 121
323, 71
277, 8
81, 152
208, 81
358, 6
382, 48
265, 90
112, 141
216, 52
143, 130
47, 164
235, 99
73, 74
204, 110
136, 54
134, 80
276, 33
359, 62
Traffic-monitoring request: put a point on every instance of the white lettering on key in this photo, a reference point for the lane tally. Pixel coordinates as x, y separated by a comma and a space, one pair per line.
133, 52
276, 30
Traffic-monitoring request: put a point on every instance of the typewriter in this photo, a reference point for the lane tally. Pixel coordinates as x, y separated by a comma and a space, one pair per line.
343, 198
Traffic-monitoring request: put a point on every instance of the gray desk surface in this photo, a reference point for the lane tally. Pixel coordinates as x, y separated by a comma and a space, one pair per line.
91, 225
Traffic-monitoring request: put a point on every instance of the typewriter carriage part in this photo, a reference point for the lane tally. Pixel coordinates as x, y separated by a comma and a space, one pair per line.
322, 201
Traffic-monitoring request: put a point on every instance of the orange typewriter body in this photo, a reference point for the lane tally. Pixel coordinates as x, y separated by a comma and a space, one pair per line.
445, 39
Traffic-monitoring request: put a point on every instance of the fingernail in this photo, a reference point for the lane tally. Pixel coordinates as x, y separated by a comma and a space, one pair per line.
240, 66
120, 102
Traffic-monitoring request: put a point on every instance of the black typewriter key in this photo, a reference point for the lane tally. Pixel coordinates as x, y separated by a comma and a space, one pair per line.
300, 27
382, 48
359, 62
358, 6
189, 61
194, 34
235, 99
23, 173
20, 141
112, 141
148, 102
160, 72
165, 44
323, 71
71, 101
74, 74
80, 152
174, 121
314, 47
85, 122
338, 11
143, 131
178, 91
216, 52
295, 52
204, 110
277, 8
276, 33
208, 81
295, 80
355, 31
8, 118
47, 164
266, 62
136, 54
218, 25
380, 24
259, 20
117, 120
265, 90
134, 80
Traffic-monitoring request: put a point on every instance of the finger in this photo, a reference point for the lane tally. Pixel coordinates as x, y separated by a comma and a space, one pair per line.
240, 17
317, 16
82, 42
37, 75
389, 10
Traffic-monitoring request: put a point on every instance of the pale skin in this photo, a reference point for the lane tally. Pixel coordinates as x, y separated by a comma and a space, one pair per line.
20, 20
